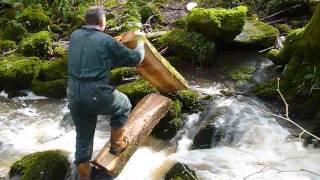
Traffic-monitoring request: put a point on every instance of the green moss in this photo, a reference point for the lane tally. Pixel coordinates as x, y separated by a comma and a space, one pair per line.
117, 75
284, 28
14, 31
242, 74
266, 90
59, 51
46, 165
54, 89
180, 172
6, 45
257, 33
38, 44
217, 24
171, 123
17, 72
34, 18
8, 13
136, 90
189, 99
149, 10
55, 29
181, 23
53, 70
189, 45
273, 55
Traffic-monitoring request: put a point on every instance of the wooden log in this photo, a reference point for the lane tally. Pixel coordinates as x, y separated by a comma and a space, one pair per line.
145, 116
156, 69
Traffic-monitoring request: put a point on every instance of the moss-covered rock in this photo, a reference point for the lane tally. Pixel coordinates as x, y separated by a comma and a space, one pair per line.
17, 72
38, 44
189, 99
171, 123
53, 89
189, 45
59, 51
257, 34
53, 70
136, 90
217, 24
46, 165
117, 75
14, 31
242, 74
284, 28
34, 18
6, 45
56, 29
180, 172
274, 55
150, 11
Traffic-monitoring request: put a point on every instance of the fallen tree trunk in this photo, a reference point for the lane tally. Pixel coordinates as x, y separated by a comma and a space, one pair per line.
142, 120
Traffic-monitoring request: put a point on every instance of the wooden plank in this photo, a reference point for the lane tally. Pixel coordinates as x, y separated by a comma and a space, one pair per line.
157, 70
145, 116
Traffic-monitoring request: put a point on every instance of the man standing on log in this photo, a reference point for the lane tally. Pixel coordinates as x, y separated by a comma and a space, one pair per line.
92, 55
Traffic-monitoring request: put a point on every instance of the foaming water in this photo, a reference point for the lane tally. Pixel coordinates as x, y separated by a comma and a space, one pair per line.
253, 146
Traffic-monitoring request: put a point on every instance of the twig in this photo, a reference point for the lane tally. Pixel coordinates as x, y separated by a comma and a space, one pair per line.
283, 99
189, 172
264, 50
299, 5
8, 52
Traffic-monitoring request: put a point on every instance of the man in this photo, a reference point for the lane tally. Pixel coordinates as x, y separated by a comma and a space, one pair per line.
92, 54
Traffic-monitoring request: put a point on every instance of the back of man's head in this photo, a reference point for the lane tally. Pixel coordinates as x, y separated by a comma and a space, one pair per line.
94, 15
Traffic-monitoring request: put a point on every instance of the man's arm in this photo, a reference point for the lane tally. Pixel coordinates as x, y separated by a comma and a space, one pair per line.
123, 56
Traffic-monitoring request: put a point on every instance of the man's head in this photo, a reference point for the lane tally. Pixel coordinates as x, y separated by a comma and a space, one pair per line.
96, 16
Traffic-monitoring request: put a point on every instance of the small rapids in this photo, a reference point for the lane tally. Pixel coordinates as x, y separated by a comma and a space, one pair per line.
252, 145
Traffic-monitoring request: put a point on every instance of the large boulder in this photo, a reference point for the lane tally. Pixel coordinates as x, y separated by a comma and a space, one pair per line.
17, 72
38, 44
189, 45
34, 18
217, 24
256, 33
53, 70
53, 89
46, 165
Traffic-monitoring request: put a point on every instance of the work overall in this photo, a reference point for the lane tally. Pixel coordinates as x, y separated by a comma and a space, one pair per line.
92, 54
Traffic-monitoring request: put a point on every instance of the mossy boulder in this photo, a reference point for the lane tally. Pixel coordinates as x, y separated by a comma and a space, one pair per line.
242, 74
136, 90
14, 31
34, 18
151, 11
189, 45
118, 74
256, 33
283, 28
189, 100
217, 24
180, 172
56, 29
38, 44
17, 72
53, 89
274, 55
46, 165
171, 123
53, 70
6, 45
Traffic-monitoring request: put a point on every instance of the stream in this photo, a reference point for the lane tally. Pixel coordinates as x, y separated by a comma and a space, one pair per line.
253, 145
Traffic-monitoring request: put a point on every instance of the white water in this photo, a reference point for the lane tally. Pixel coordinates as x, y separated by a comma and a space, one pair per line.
254, 145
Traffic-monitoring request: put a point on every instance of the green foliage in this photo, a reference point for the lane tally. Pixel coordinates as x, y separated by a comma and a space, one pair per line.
217, 24
170, 124
46, 165
53, 89
14, 31
136, 90
17, 72
53, 70
38, 44
189, 99
34, 18
242, 74
117, 75
180, 172
258, 34
149, 10
6, 45
189, 45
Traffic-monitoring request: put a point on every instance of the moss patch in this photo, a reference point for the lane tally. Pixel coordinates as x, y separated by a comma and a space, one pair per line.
14, 31
189, 45
136, 90
38, 44
180, 172
52, 70
217, 24
274, 55
6, 45
34, 18
17, 72
46, 165
150, 10
257, 33
117, 75
242, 74
53, 89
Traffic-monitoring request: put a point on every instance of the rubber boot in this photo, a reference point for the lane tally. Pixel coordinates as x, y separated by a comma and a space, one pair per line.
118, 142
84, 171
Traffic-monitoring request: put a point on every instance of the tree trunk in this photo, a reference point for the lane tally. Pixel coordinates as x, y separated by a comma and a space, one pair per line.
142, 120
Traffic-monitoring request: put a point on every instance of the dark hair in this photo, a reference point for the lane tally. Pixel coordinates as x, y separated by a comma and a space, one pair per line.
94, 14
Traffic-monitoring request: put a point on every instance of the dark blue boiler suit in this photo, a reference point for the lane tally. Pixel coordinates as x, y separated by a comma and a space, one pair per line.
92, 55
